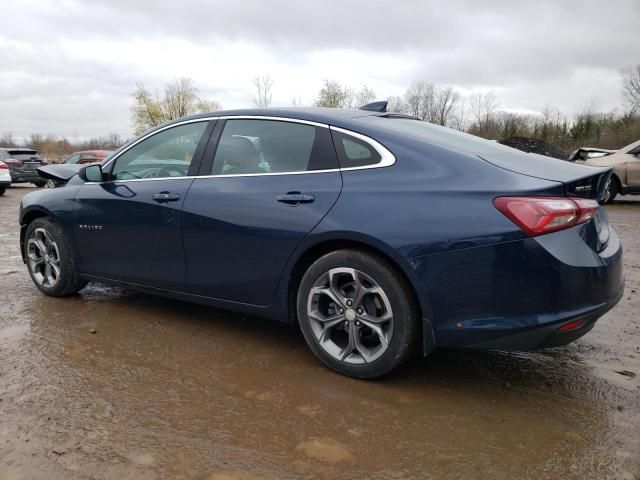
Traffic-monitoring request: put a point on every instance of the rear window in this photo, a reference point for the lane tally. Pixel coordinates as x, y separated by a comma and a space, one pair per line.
443, 136
23, 154
353, 152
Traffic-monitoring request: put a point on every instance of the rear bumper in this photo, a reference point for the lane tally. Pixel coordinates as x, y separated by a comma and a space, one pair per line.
25, 176
516, 295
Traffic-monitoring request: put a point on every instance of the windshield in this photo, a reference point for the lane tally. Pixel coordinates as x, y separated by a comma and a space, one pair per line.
443, 136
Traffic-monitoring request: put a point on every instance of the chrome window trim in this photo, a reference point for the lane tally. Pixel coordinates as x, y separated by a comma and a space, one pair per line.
386, 157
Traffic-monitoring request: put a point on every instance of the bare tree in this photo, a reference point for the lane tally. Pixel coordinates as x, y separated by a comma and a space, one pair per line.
483, 109
444, 102
181, 97
7, 140
297, 102
364, 96
263, 85
631, 86
419, 99
395, 104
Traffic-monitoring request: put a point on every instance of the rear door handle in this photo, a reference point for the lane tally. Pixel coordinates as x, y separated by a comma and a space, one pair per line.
295, 198
164, 197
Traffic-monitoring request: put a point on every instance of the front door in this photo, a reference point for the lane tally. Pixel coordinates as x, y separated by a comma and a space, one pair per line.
267, 186
129, 228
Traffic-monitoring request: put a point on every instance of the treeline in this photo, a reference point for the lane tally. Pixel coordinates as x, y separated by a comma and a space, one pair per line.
480, 114
56, 149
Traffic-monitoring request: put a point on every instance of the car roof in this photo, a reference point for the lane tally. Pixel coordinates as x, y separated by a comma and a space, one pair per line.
91, 151
311, 114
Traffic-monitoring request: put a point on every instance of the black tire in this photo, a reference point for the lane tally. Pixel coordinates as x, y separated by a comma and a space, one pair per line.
405, 312
2, 190
67, 282
614, 189
40, 183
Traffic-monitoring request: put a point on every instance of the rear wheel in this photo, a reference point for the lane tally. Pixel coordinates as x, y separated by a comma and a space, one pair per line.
49, 259
613, 189
2, 190
39, 183
357, 314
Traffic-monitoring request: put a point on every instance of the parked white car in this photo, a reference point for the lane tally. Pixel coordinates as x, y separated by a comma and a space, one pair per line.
5, 177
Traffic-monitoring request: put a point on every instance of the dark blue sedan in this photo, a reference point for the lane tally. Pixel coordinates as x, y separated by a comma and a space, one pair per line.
377, 233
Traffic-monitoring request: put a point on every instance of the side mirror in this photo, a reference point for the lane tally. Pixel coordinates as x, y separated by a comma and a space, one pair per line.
92, 173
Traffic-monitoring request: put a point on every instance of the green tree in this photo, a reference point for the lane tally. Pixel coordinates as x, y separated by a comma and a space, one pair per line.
181, 97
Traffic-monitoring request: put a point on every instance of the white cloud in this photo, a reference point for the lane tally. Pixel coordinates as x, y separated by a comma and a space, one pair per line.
68, 67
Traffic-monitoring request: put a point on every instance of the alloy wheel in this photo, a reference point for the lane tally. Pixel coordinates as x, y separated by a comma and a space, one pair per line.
43, 256
350, 315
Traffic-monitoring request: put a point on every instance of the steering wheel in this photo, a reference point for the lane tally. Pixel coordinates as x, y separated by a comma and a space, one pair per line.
165, 171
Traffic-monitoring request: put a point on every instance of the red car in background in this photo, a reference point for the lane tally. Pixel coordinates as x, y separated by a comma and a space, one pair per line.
79, 158
87, 156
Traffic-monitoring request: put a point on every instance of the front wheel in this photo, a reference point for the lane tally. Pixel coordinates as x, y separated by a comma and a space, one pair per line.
49, 259
357, 314
39, 183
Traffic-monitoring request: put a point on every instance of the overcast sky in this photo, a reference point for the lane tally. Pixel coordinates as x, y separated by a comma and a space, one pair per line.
68, 67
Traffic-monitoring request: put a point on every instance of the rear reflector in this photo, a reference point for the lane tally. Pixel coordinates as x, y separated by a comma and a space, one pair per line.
540, 215
573, 325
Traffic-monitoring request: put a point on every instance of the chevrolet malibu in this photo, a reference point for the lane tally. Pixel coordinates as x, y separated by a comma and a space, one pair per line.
378, 234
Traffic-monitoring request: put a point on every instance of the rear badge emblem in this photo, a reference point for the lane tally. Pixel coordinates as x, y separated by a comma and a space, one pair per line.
90, 227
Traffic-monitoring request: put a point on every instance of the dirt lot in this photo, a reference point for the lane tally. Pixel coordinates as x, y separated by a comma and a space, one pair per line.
166, 389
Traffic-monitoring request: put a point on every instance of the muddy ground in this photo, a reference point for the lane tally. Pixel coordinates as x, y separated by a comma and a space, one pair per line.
166, 389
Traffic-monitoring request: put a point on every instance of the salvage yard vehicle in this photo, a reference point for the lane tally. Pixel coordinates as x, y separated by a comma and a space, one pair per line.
376, 232
5, 177
77, 159
87, 156
23, 164
625, 179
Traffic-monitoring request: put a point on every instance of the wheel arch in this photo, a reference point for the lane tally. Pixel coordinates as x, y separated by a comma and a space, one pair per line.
25, 220
313, 252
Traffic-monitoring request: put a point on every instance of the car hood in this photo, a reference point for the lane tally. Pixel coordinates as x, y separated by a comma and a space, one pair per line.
61, 172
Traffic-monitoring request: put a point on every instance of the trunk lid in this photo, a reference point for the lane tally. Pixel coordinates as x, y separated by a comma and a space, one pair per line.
580, 181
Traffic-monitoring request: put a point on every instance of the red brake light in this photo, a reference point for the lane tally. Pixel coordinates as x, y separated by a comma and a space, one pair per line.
540, 215
3, 165
13, 161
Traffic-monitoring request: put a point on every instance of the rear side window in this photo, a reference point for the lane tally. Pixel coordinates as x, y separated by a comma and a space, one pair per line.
353, 152
272, 146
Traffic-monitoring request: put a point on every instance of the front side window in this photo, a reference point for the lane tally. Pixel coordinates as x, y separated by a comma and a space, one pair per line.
353, 152
163, 155
270, 146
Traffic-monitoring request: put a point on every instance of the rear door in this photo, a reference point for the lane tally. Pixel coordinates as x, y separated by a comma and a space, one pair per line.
266, 185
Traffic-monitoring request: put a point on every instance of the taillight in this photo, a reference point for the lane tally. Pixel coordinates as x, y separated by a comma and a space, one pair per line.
540, 215
13, 161
3, 165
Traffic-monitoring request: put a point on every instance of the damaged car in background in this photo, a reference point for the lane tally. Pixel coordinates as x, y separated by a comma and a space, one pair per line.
625, 179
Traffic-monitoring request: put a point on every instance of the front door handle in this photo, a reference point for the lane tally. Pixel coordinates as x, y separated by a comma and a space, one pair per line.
295, 198
164, 197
